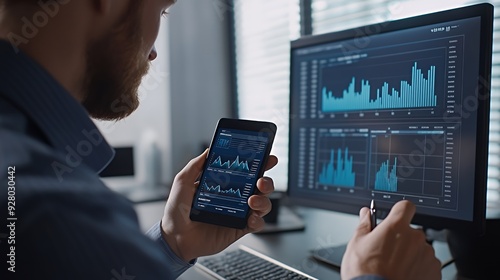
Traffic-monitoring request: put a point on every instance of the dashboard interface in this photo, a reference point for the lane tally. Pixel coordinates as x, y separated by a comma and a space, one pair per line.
232, 170
388, 116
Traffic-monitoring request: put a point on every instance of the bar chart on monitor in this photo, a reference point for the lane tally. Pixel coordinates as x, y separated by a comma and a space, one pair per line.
398, 165
342, 158
417, 93
381, 80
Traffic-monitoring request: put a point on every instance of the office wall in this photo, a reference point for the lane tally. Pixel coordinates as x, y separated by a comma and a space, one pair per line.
199, 71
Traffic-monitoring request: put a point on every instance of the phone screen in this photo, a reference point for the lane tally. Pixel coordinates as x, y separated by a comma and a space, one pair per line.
234, 164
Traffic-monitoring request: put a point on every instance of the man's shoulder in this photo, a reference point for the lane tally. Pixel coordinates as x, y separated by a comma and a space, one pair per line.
70, 227
32, 156
37, 172
41, 169
11, 117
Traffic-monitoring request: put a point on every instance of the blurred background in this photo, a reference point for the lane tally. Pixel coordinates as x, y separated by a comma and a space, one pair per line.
222, 58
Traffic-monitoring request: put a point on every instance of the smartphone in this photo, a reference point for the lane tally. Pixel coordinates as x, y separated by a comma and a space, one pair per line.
236, 160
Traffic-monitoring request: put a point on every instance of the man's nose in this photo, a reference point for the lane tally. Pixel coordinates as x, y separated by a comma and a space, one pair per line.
153, 54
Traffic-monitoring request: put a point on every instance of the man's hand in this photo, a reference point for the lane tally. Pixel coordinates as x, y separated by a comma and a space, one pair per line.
393, 249
190, 239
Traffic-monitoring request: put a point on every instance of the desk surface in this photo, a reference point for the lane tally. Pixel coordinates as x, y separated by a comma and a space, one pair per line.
323, 229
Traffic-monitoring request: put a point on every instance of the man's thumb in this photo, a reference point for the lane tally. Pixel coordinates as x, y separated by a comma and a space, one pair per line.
364, 226
194, 167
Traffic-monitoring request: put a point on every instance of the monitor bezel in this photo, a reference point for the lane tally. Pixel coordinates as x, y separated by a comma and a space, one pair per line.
485, 12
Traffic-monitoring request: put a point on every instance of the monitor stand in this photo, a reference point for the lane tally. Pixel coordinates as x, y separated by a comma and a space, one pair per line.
281, 218
286, 220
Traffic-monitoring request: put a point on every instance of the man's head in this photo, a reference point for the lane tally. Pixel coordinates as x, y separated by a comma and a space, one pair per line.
115, 67
115, 38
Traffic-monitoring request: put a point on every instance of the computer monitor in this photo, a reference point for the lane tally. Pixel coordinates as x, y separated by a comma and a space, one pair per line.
391, 111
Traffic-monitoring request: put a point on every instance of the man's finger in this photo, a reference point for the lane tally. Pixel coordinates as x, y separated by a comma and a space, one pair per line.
402, 211
364, 225
265, 186
271, 162
194, 167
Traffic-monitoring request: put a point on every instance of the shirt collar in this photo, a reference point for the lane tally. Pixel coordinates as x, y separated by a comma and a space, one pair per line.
63, 120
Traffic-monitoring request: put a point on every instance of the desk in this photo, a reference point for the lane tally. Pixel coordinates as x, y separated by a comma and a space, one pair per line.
323, 228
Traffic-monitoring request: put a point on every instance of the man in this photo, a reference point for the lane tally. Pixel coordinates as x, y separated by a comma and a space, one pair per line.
62, 61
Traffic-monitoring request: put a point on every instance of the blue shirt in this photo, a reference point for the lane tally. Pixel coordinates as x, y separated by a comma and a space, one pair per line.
64, 223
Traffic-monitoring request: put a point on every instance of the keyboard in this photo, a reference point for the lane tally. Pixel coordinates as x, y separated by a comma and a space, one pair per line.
245, 263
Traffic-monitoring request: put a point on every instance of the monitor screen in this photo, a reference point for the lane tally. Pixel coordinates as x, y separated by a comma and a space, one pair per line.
391, 111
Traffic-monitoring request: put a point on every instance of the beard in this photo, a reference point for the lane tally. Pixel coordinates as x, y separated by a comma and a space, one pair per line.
115, 68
